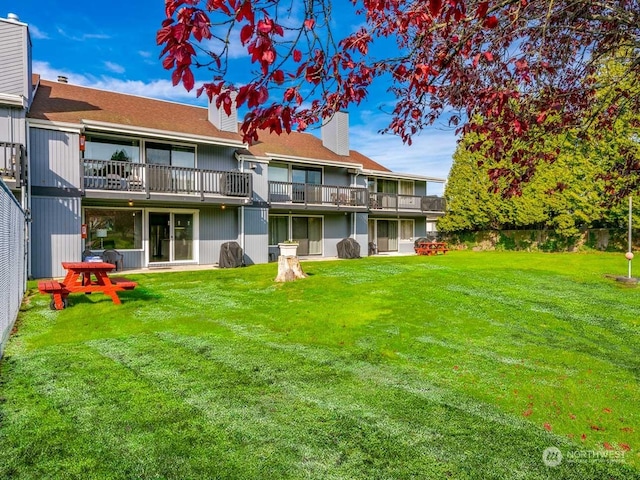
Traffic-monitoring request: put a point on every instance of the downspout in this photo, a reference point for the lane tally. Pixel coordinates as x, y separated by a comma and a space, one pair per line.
26, 196
242, 233
354, 214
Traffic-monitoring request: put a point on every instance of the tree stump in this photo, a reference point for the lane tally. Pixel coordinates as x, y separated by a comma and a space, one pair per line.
289, 269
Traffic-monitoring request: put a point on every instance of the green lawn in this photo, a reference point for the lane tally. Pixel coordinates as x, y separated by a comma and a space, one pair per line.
467, 365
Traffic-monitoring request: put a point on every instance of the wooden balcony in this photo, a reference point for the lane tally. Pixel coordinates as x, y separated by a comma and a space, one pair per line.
13, 164
152, 180
318, 197
394, 202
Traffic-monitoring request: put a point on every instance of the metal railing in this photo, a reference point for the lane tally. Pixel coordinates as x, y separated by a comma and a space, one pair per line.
152, 178
308, 194
12, 261
400, 202
12, 162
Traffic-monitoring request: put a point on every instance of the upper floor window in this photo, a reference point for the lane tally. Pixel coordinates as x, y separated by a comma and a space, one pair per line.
279, 172
105, 148
166, 154
308, 175
407, 187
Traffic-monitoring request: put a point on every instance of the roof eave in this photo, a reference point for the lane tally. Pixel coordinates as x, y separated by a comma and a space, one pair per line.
312, 161
404, 176
155, 133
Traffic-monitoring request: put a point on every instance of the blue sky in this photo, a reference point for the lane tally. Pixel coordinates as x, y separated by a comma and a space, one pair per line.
111, 45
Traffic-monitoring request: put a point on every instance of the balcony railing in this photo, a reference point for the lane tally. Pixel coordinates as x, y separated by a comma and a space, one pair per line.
307, 194
398, 202
13, 162
152, 178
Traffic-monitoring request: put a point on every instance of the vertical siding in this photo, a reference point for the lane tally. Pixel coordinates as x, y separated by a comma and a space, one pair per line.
336, 227
55, 158
13, 58
55, 235
256, 235
260, 182
362, 233
420, 227
216, 227
12, 125
337, 176
420, 188
213, 157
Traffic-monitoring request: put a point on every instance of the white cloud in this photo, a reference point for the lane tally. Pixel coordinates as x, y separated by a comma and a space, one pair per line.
161, 89
144, 54
37, 33
114, 67
82, 37
430, 154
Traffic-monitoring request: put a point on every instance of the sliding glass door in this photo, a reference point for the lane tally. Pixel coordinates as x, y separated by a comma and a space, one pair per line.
171, 237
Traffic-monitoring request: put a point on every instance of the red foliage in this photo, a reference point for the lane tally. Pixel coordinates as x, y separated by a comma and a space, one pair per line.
512, 64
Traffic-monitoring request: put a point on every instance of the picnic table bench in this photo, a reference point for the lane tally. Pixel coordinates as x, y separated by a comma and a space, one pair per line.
431, 248
85, 277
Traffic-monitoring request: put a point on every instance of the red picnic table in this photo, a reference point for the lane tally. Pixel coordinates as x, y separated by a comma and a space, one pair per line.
85, 277
431, 248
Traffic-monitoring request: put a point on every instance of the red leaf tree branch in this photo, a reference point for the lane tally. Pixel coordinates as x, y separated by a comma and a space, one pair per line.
514, 64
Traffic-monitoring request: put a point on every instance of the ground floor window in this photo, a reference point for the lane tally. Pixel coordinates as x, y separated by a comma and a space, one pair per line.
305, 230
113, 228
406, 229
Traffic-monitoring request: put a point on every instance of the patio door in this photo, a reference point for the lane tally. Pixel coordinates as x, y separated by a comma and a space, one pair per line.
386, 235
171, 237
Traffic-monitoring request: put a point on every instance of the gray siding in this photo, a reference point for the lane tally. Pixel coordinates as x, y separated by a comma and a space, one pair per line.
12, 125
216, 227
336, 227
55, 235
55, 158
260, 182
420, 188
362, 233
337, 176
14, 58
212, 157
256, 235
420, 227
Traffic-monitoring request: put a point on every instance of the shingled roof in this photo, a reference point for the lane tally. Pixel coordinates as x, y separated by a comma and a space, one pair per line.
63, 102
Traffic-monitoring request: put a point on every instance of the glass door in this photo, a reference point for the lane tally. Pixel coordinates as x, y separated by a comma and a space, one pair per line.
159, 237
171, 237
183, 236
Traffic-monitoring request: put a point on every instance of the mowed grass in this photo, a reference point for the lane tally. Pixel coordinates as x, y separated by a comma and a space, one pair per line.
464, 366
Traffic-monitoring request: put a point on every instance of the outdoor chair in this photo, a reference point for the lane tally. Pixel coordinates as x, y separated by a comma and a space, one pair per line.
113, 256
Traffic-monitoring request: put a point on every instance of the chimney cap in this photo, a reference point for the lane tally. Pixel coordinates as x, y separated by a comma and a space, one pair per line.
62, 79
13, 17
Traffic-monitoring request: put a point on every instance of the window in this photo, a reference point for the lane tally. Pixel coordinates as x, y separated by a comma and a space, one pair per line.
311, 176
307, 231
278, 172
165, 154
406, 230
278, 230
120, 229
101, 148
406, 187
387, 186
